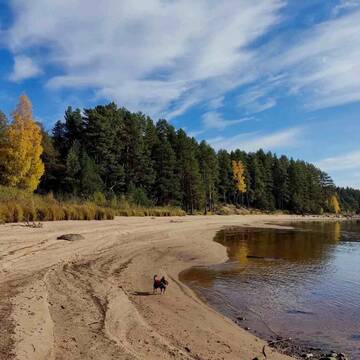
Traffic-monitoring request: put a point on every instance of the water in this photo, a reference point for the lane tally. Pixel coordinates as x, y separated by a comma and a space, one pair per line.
302, 283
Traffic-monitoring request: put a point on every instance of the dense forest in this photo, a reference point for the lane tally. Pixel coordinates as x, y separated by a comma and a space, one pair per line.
112, 152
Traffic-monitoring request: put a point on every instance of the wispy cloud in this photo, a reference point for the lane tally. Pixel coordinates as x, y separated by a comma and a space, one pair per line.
320, 66
24, 68
214, 120
341, 162
150, 55
325, 64
345, 5
261, 96
255, 141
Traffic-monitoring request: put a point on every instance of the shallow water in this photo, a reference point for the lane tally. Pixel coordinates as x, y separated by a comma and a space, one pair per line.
302, 283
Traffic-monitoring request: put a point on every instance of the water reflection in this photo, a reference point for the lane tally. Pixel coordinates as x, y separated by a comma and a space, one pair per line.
304, 281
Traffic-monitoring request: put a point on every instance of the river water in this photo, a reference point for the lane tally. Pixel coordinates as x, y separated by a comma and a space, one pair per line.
302, 283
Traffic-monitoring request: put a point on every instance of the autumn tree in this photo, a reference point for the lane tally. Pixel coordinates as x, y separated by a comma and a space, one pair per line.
21, 156
238, 170
334, 204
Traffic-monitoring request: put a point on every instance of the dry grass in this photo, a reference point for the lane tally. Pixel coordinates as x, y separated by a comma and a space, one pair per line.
154, 211
18, 206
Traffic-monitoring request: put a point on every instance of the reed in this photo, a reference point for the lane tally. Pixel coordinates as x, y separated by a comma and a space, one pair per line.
18, 206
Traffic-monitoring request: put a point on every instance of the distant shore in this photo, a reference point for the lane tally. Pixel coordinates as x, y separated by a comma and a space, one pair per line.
93, 297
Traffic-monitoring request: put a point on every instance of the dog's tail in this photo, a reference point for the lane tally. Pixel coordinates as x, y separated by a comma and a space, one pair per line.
155, 276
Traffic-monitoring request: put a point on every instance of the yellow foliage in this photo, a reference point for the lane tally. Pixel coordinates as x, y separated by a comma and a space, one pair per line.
20, 157
334, 204
238, 170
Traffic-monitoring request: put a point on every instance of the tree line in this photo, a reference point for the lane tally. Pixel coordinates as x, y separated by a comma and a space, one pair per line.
118, 153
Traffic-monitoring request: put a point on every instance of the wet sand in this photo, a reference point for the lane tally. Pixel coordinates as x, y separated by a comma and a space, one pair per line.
92, 298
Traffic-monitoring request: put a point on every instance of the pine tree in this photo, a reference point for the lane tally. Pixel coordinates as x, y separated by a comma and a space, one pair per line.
59, 139
73, 125
90, 180
102, 127
209, 169
258, 183
21, 156
130, 156
53, 178
167, 184
73, 169
225, 183
189, 173
281, 182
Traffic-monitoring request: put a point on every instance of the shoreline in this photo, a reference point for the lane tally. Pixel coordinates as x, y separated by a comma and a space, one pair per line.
286, 345
98, 290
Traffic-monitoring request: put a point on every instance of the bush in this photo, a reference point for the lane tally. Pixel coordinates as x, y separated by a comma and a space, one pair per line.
99, 198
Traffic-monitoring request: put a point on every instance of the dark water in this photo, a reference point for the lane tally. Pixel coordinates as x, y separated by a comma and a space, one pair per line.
302, 283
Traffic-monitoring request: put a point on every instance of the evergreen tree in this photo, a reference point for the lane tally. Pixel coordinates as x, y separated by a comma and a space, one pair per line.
73, 126
102, 129
209, 169
258, 182
189, 173
53, 178
281, 182
60, 140
125, 154
73, 168
225, 182
167, 184
90, 180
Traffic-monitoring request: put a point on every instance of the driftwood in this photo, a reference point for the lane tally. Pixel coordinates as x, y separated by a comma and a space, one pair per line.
70, 237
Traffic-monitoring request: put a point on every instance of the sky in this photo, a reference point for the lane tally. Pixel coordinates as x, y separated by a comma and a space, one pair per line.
273, 74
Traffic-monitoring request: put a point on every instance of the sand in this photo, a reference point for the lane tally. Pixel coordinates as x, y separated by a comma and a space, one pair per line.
92, 298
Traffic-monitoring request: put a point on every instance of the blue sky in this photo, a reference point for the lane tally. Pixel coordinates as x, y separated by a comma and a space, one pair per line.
273, 74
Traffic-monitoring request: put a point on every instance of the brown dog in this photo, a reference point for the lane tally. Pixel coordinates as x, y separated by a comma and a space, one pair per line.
160, 284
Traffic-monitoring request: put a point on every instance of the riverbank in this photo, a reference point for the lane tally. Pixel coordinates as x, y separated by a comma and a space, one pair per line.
92, 298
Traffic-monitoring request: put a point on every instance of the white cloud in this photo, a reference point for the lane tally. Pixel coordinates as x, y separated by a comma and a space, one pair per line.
254, 101
162, 56
321, 66
324, 65
216, 103
345, 5
214, 120
256, 141
24, 68
341, 162
151, 55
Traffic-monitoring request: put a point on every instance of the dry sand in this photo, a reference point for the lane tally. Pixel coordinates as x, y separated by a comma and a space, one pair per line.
92, 298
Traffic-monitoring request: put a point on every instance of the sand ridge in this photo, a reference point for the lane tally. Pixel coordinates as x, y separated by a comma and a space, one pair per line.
92, 298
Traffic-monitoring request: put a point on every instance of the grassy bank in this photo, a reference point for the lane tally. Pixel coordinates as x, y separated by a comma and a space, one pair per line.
153, 211
18, 206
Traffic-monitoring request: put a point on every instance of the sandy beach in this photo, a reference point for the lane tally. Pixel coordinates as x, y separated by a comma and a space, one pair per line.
92, 298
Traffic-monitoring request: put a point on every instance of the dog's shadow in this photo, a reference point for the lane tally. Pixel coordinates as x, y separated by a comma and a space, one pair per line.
142, 293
